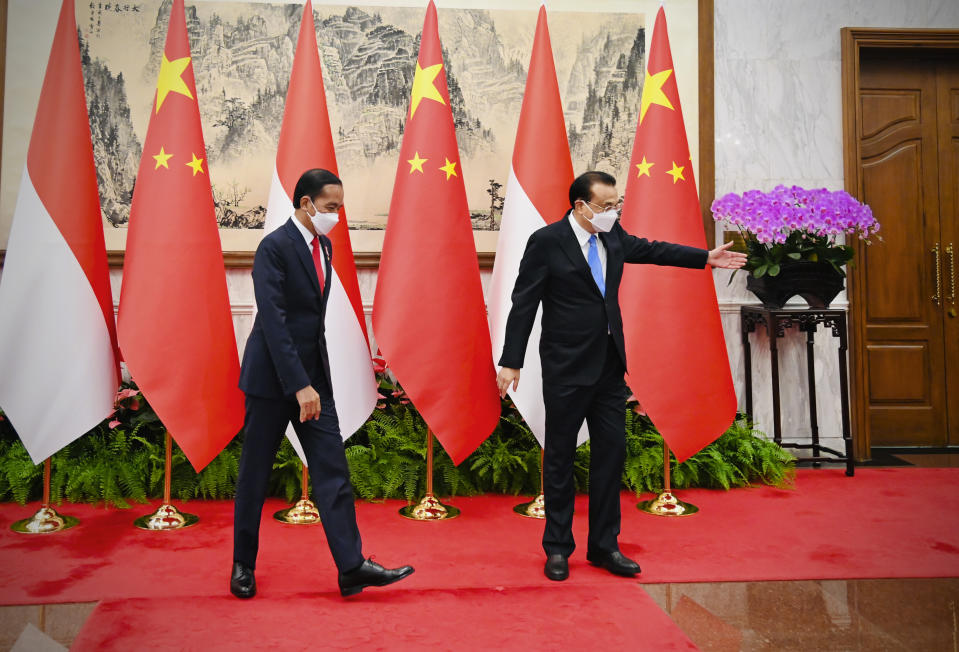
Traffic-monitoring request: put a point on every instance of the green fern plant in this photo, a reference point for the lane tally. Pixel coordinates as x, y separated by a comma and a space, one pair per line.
508, 461
122, 460
108, 466
20, 478
740, 457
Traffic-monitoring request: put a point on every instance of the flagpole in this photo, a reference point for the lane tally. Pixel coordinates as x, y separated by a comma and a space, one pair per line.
166, 517
304, 511
666, 504
429, 508
46, 520
536, 508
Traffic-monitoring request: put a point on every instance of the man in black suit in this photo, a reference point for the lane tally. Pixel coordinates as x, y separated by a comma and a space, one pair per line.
286, 378
574, 267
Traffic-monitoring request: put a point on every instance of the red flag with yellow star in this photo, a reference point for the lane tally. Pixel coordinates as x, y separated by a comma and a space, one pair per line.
428, 313
174, 322
675, 348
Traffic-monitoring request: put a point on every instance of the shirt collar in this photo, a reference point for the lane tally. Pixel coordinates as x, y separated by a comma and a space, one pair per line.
305, 232
582, 235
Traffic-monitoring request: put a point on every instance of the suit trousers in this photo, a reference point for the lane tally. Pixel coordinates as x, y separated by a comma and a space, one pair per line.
603, 406
266, 422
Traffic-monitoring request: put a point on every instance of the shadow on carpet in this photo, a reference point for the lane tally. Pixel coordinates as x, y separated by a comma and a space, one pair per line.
621, 617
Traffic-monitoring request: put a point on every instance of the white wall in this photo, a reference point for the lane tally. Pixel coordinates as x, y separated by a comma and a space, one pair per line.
779, 120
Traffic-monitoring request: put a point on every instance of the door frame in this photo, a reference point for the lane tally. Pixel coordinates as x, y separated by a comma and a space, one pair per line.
853, 41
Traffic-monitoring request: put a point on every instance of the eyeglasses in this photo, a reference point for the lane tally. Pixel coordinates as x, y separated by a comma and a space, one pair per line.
618, 207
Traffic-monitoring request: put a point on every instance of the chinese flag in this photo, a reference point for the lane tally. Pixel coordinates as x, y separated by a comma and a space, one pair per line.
174, 322
675, 348
428, 313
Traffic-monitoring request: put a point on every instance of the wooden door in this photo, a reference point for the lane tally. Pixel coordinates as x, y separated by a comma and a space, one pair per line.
903, 345
947, 84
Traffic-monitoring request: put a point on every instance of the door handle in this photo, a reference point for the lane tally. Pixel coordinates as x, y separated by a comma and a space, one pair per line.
937, 297
952, 281
952, 273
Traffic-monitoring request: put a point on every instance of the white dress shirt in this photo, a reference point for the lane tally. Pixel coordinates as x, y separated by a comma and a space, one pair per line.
305, 232
582, 235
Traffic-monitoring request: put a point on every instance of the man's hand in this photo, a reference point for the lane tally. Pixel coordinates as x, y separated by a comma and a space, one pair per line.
309, 402
722, 257
504, 378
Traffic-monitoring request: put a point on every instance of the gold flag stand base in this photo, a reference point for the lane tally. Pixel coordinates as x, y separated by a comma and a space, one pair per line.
666, 504
534, 509
304, 511
45, 521
167, 517
429, 509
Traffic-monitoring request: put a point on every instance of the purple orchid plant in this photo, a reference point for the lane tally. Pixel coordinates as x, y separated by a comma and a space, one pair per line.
790, 224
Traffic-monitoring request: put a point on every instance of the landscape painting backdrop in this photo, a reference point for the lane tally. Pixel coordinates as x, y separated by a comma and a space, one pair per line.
242, 56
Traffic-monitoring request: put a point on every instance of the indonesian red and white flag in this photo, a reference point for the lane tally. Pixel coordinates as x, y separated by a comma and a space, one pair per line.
175, 324
675, 348
536, 195
306, 142
428, 312
58, 362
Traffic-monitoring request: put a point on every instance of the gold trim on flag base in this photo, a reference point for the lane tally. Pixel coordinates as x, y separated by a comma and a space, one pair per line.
166, 517
666, 504
304, 511
534, 509
429, 509
47, 520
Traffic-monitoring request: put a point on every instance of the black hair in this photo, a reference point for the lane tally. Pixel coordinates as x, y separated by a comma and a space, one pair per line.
582, 187
311, 184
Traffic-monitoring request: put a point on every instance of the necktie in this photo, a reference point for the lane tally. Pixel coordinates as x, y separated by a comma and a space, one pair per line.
318, 261
595, 266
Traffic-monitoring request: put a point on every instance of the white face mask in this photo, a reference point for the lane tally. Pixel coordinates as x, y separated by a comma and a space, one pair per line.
323, 222
604, 221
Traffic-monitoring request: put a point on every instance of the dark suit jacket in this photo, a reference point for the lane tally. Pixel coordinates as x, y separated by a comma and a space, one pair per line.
286, 350
577, 321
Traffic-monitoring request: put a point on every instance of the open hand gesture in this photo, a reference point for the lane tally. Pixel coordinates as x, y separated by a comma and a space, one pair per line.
722, 257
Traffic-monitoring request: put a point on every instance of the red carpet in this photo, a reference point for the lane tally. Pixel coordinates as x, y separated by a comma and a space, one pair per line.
554, 617
901, 522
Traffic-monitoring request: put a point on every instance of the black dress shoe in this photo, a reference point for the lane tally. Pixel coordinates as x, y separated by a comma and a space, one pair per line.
615, 562
557, 568
369, 573
242, 581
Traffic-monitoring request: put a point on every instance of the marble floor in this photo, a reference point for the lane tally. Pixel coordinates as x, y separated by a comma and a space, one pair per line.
59, 622
853, 615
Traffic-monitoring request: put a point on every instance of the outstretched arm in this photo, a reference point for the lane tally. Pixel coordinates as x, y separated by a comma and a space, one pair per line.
655, 252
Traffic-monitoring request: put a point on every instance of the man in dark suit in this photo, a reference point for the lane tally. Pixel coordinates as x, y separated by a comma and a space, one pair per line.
286, 378
574, 267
